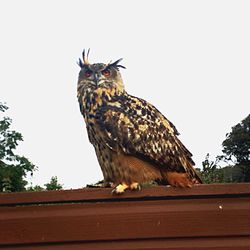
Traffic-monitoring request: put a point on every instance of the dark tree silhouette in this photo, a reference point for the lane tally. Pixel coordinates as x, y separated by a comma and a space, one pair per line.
236, 148
13, 167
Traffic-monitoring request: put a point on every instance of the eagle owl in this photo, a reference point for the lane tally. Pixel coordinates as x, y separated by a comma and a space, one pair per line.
133, 141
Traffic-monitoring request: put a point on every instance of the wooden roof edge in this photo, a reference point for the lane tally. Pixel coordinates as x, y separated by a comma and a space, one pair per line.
104, 194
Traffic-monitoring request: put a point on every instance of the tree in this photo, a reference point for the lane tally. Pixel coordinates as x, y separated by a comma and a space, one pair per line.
52, 185
236, 148
13, 168
211, 172
35, 188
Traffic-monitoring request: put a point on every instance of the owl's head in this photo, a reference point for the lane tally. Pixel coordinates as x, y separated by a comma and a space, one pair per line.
93, 76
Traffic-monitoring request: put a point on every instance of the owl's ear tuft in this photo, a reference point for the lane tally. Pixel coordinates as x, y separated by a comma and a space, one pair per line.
116, 64
85, 57
80, 63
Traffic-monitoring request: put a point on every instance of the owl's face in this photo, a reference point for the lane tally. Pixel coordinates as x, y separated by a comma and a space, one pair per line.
100, 75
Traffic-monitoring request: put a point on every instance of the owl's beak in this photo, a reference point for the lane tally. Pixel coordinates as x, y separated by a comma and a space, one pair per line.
96, 78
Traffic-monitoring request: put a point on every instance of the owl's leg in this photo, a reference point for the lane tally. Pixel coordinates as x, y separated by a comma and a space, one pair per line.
176, 179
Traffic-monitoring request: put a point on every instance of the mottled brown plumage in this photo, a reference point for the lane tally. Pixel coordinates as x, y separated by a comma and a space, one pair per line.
134, 142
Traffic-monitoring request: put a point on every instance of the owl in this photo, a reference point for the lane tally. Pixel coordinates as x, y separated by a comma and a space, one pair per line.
134, 142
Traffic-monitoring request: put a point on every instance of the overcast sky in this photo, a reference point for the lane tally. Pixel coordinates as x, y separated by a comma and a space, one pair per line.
191, 59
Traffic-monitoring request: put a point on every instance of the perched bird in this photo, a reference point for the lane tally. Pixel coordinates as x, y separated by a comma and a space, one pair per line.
133, 141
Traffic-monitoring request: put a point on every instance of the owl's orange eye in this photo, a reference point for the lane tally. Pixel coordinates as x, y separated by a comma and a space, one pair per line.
106, 72
88, 73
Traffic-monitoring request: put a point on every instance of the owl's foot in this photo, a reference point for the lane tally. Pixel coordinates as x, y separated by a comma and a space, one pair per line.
179, 179
135, 186
120, 189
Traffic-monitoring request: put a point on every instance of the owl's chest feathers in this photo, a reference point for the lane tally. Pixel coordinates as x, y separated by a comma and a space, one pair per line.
92, 105
94, 101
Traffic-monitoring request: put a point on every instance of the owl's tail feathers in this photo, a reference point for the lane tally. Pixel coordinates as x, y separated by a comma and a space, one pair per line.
188, 165
197, 179
194, 175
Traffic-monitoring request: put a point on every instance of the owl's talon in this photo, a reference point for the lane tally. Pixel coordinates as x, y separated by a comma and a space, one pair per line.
120, 189
114, 191
135, 186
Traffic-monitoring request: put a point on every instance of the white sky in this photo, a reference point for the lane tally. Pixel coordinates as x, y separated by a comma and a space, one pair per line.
191, 59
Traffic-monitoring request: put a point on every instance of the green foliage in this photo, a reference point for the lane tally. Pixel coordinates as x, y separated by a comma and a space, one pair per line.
211, 173
236, 146
236, 149
13, 168
53, 184
241, 173
35, 188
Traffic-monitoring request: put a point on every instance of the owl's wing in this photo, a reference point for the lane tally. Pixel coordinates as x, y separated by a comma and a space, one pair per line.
139, 129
